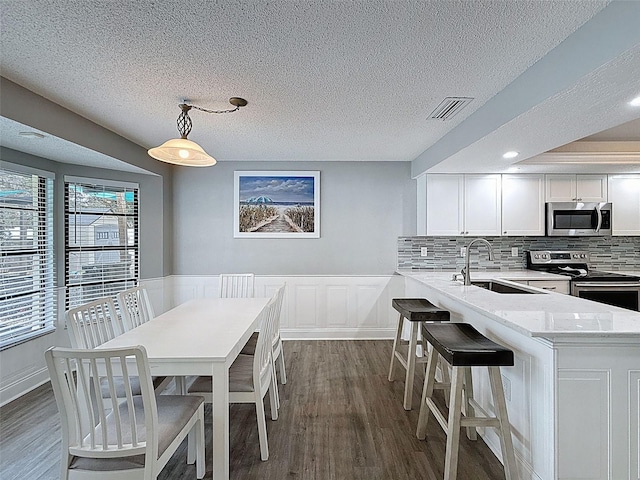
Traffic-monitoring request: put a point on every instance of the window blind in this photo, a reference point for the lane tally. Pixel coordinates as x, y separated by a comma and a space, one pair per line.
27, 266
101, 239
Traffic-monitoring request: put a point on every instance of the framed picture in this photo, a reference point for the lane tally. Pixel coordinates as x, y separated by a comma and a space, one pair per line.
276, 205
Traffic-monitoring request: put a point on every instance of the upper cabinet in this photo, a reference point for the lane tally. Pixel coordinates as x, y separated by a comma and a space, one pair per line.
576, 188
461, 205
624, 194
523, 205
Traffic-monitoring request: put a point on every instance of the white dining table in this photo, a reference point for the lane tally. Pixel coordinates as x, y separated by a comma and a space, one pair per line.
200, 337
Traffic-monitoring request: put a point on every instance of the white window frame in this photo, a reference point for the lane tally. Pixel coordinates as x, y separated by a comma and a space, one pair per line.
22, 319
109, 285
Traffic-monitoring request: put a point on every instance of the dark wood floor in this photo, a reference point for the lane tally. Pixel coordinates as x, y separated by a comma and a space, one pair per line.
340, 419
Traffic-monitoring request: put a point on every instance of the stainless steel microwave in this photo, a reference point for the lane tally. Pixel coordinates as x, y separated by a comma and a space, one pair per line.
579, 219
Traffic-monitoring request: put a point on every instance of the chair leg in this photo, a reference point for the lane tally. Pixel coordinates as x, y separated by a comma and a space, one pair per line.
427, 392
506, 442
453, 431
411, 366
468, 409
195, 445
274, 386
262, 429
396, 344
283, 371
273, 398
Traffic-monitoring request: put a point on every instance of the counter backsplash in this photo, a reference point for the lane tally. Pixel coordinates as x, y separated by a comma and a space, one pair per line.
443, 253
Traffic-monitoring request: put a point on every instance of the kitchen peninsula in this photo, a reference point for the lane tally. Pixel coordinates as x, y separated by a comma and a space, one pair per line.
573, 393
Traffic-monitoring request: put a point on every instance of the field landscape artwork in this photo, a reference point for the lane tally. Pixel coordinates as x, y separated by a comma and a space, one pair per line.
277, 204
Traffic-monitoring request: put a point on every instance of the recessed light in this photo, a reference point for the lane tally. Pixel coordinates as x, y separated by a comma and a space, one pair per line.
635, 102
511, 154
31, 134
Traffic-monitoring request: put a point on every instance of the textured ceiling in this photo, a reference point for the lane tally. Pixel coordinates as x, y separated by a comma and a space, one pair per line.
325, 80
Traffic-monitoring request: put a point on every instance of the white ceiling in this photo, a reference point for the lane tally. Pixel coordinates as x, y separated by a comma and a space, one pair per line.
325, 80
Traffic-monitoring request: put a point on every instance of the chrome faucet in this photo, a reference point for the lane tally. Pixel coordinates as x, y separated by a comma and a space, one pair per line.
465, 271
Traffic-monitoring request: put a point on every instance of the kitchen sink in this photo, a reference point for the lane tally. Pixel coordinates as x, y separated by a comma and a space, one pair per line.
501, 287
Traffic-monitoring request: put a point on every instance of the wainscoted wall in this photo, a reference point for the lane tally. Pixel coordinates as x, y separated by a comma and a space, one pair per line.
314, 307
443, 253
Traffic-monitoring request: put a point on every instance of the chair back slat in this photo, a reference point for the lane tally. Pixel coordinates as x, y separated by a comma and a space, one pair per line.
135, 307
279, 294
93, 323
237, 285
93, 427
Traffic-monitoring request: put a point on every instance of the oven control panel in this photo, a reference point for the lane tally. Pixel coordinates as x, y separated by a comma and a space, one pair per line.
553, 257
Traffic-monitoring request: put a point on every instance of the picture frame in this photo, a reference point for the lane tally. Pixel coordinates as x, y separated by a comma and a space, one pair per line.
276, 204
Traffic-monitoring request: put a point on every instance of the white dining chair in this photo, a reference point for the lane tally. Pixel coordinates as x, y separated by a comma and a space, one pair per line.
97, 322
94, 323
134, 440
277, 351
236, 285
135, 307
250, 378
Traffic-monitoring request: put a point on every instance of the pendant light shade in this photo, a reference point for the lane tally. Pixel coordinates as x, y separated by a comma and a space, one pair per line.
182, 151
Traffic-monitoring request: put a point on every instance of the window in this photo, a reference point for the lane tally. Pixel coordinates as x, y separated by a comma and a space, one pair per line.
27, 267
101, 239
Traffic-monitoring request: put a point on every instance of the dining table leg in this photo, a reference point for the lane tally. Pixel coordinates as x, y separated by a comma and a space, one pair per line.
220, 410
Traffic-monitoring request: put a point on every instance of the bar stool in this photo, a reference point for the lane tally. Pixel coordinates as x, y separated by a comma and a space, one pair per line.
415, 310
463, 347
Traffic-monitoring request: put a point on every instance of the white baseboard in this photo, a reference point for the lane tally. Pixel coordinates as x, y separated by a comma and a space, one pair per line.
337, 334
16, 389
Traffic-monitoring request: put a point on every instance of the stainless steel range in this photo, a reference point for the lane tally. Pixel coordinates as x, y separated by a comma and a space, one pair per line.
604, 287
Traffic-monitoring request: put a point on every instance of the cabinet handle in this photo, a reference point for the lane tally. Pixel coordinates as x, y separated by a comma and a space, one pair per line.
548, 288
504, 232
461, 233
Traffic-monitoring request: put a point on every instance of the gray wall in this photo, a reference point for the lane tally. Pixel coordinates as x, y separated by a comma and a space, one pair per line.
365, 206
23, 106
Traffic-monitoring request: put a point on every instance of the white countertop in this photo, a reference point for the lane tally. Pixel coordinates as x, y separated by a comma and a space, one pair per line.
547, 314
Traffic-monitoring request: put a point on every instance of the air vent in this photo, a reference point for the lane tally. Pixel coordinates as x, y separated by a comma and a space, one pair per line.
449, 107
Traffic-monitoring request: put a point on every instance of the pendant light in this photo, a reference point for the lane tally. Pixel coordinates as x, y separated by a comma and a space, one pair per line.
182, 151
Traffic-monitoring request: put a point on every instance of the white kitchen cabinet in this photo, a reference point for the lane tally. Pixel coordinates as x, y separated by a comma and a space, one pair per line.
576, 188
463, 205
523, 205
624, 195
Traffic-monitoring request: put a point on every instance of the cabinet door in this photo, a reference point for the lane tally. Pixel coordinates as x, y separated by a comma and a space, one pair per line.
523, 205
560, 188
444, 205
624, 192
591, 188
482, 206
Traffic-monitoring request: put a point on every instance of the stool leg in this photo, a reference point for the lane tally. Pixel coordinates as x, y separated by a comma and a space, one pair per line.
396, 345
468, 409
427, 392
446, 378
411, 365
453, 430
508, 456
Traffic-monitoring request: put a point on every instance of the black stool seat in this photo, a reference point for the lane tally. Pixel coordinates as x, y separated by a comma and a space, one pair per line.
462, 345
420, 310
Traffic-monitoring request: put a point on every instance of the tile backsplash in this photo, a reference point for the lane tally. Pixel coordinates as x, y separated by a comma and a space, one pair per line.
443, 253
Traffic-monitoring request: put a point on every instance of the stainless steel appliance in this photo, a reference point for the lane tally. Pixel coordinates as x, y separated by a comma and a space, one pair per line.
578, 219
604, 287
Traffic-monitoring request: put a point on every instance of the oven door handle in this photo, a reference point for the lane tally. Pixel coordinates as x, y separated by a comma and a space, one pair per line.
599, 213
606, 284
